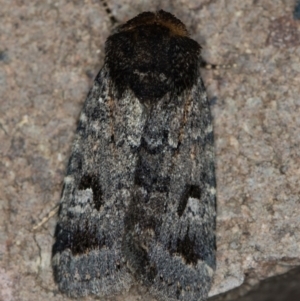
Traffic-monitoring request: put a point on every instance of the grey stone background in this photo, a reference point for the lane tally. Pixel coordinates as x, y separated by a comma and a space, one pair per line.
50, 51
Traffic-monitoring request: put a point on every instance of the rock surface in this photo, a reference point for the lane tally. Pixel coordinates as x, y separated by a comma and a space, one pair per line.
49, 54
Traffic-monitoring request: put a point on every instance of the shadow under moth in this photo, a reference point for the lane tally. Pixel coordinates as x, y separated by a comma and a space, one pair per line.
139, 199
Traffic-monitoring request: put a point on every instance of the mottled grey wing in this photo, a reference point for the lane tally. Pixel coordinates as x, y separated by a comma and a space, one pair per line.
170, 223
87, 255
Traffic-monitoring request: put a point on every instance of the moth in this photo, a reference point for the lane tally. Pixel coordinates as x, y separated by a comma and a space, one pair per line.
139, 198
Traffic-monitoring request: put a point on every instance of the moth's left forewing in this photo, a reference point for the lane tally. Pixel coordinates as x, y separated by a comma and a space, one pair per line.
87, 256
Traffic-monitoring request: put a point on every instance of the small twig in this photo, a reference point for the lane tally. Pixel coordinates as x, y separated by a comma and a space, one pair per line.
46, 218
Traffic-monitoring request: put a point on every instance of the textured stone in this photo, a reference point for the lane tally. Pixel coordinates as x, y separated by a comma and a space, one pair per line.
49, 54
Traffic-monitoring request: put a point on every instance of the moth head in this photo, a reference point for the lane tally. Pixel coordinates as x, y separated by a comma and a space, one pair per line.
160, 18
152, 55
